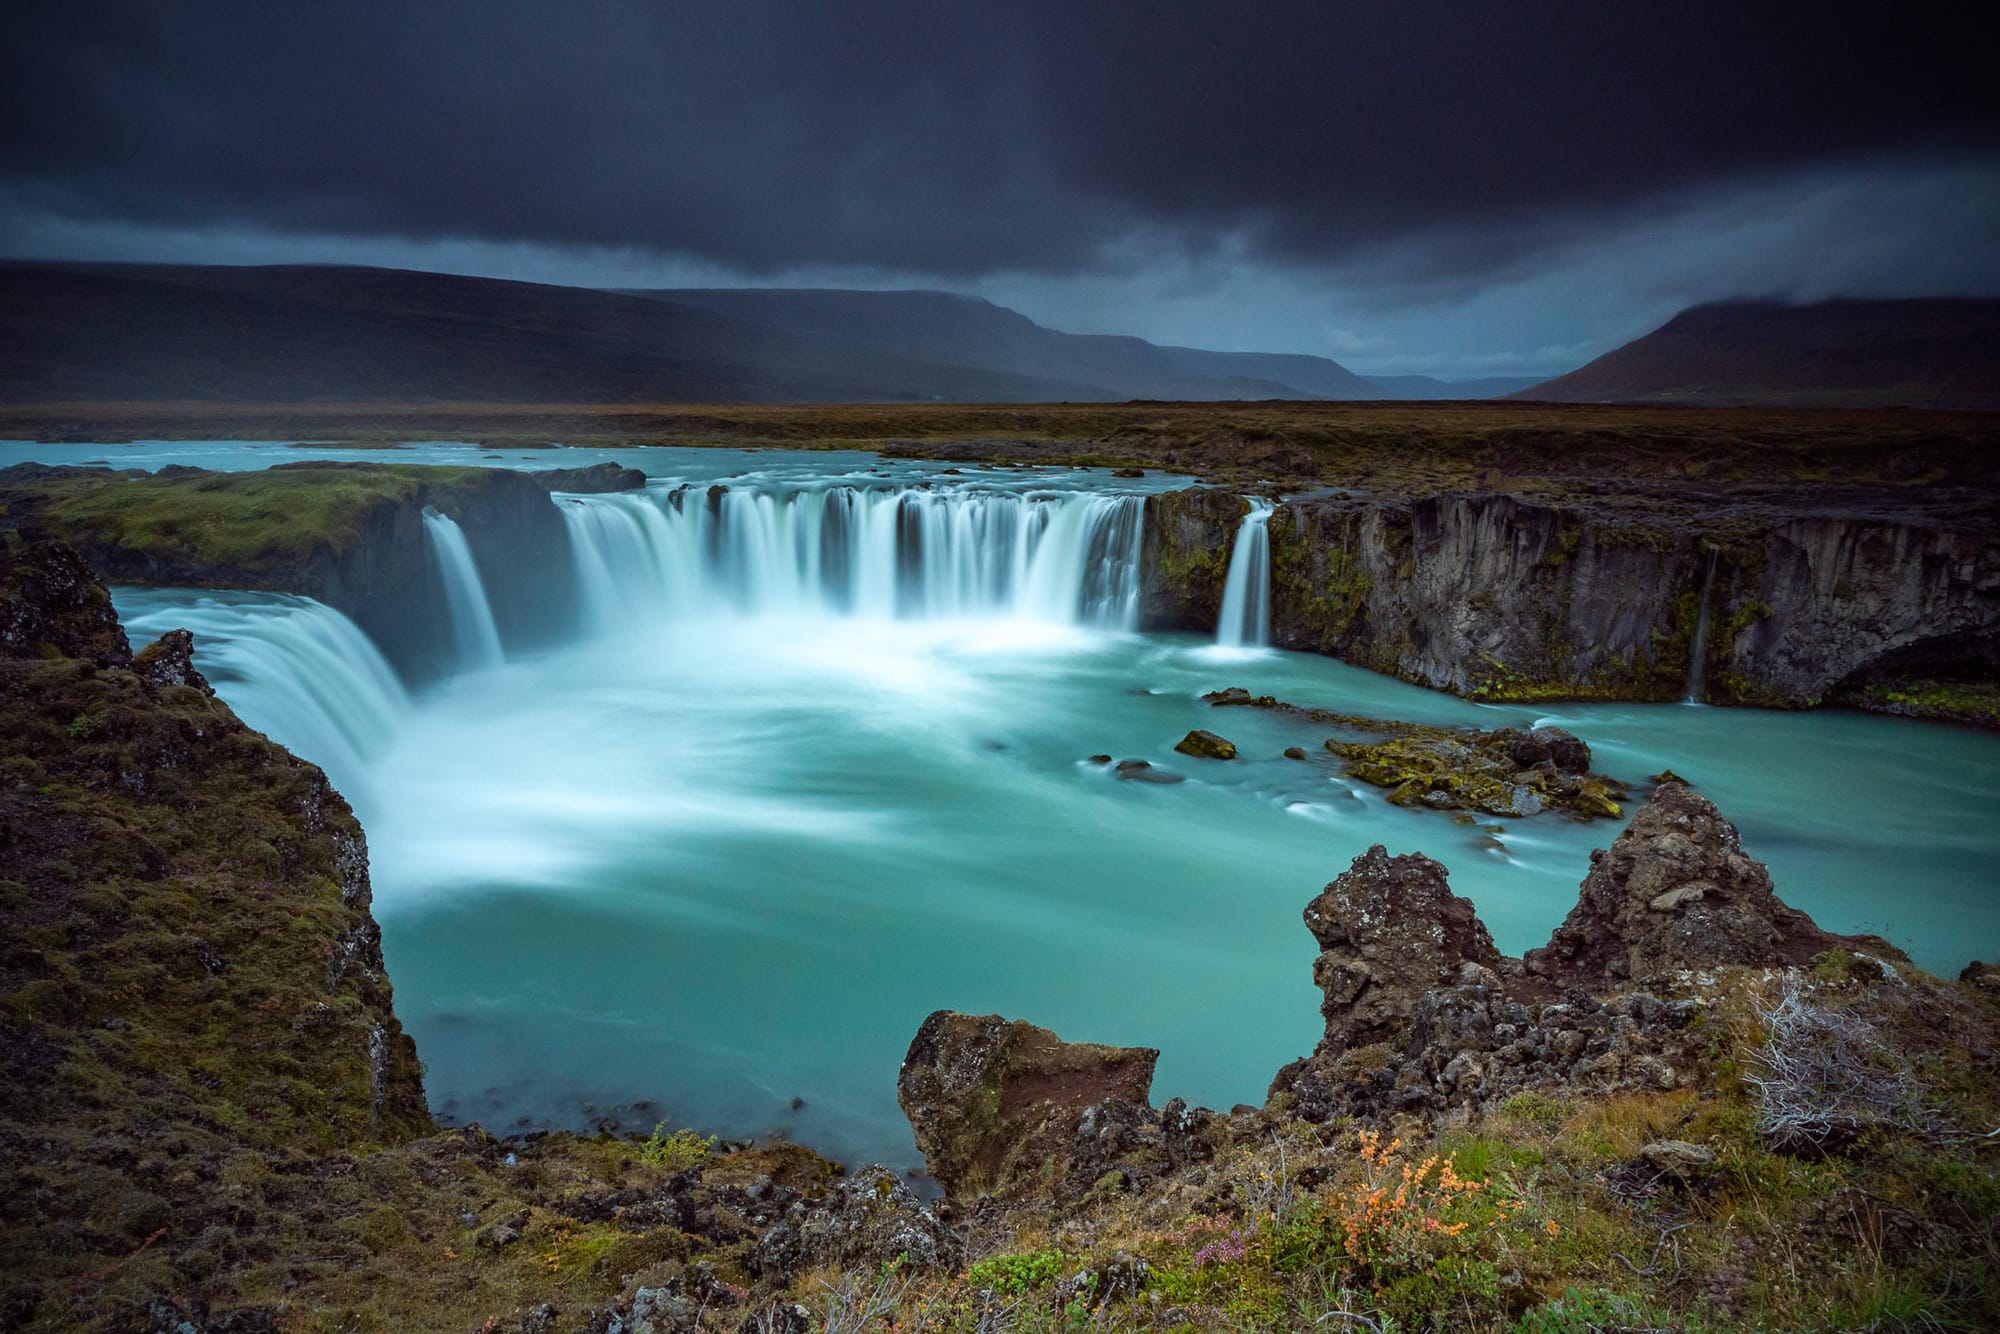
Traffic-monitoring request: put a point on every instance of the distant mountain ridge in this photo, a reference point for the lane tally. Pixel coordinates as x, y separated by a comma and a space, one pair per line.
315, 333
965, 330
1939, 353
1431, 388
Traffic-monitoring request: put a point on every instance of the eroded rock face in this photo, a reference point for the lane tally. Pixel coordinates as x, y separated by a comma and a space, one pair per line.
1677, 891
1497, 596
996, 1104
1184, 561
1389, 930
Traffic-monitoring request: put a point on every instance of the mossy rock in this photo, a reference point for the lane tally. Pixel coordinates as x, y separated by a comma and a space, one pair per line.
1207, 746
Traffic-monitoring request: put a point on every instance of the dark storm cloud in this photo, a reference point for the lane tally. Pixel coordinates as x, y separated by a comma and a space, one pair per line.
933, 138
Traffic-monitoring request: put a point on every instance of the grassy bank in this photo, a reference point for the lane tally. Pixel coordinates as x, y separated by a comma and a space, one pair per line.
225, 519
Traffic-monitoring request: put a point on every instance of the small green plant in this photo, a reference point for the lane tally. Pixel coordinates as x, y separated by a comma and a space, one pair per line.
85, 726
1536, 1109
1014, 1274
1580, 1311
683, 1148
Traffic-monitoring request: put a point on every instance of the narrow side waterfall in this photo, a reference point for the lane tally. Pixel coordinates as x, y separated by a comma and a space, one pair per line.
294, 669
905, 553
1245, 621
1698, 652
472, 624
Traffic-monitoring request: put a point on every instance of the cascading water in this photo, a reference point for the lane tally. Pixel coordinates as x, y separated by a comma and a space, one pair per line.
746, 798
472, 626
294, 669
1245, 621
890, 553
1698, 651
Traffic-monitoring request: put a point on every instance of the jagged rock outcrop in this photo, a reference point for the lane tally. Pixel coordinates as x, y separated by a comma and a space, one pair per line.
1423, 1014
1389, 931
169, 661
1493, 596
1677, 891
996, 1104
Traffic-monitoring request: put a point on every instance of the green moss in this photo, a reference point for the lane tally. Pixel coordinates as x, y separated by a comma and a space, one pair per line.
1318, 589
232, 519
1975, 702
1022, 1271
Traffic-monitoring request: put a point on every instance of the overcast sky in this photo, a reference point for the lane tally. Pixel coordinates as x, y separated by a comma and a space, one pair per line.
1462, 189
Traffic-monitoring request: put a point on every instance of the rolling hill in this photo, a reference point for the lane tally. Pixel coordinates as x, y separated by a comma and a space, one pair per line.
122, 332
1925, 353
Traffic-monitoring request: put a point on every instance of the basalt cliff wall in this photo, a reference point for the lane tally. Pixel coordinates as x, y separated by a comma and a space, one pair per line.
1494, 596
381, 571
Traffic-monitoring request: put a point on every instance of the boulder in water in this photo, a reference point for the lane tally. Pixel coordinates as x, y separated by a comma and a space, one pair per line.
996, 1104
1562, 750
1207, 745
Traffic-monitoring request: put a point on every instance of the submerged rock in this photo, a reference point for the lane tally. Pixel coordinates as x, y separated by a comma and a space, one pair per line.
996, 1104
1145, 771
1207, 746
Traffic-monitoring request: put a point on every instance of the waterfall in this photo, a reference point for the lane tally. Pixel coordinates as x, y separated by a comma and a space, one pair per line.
464, 594
909, 553
1698, 654
1245, 621
294, 669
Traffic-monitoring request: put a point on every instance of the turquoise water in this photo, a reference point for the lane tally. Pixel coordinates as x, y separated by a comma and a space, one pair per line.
719, 862
724, 872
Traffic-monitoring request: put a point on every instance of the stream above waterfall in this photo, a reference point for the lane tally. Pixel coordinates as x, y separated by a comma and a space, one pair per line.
774, 803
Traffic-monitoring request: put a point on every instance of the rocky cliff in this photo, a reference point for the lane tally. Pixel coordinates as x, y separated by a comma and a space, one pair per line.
349, 535
1495, 596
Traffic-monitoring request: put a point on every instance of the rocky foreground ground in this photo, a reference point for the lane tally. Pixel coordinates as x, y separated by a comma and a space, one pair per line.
1692, 1108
